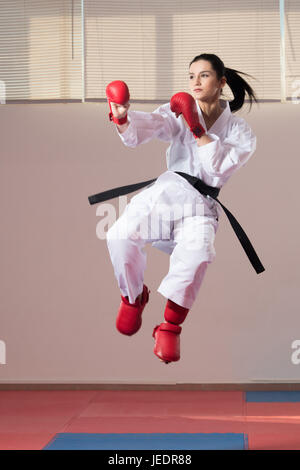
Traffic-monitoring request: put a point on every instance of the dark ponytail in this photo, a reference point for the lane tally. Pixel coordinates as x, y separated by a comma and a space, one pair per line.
237, 84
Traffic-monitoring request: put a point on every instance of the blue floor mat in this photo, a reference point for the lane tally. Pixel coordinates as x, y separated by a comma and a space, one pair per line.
273, 397
145, 441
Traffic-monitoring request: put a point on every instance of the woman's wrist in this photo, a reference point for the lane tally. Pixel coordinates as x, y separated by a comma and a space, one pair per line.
203, 140
122, 127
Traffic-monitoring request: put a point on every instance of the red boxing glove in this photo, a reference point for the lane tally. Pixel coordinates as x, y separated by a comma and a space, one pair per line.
117, 92
184, 103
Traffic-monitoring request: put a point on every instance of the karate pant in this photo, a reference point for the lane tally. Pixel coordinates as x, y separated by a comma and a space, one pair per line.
146, 219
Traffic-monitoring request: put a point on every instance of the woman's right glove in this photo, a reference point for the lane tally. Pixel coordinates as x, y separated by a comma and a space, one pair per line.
184, 103
118, 96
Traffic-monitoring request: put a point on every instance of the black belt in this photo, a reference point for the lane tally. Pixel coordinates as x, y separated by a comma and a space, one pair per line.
204, 189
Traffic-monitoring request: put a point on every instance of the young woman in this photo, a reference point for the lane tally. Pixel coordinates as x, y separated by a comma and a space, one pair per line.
211, 149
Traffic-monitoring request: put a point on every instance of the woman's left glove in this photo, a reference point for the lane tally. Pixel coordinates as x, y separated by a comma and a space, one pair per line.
184, 103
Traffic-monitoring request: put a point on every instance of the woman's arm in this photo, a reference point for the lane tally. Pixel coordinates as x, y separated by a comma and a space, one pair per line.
223, 158
141, 127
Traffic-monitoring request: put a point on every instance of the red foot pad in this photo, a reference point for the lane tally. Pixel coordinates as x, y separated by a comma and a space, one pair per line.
129, 318
175, 313
167, 341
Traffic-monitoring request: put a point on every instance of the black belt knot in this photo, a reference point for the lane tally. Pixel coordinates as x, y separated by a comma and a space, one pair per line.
199, 184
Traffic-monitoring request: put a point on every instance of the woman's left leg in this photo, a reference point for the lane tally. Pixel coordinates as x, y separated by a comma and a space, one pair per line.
193, 252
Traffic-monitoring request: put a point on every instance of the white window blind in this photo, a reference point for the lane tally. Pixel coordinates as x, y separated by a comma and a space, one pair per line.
148, 44
292, 41
40, 49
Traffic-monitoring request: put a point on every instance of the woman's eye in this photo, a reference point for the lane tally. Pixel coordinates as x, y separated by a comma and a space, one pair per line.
204, 75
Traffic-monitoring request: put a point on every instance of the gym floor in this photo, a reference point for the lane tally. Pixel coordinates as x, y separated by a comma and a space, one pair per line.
93, 419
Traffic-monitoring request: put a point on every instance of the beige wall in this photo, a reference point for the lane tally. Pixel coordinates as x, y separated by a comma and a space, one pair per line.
59, 296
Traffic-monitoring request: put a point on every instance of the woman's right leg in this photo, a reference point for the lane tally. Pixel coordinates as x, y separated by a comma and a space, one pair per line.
129, 262
125, 241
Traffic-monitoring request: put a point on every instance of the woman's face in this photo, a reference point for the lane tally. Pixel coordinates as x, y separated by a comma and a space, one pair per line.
203, 76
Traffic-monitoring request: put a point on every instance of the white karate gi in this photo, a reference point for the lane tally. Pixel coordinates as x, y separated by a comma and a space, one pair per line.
190, 243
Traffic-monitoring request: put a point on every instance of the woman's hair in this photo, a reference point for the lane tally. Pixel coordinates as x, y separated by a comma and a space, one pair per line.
237, 84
